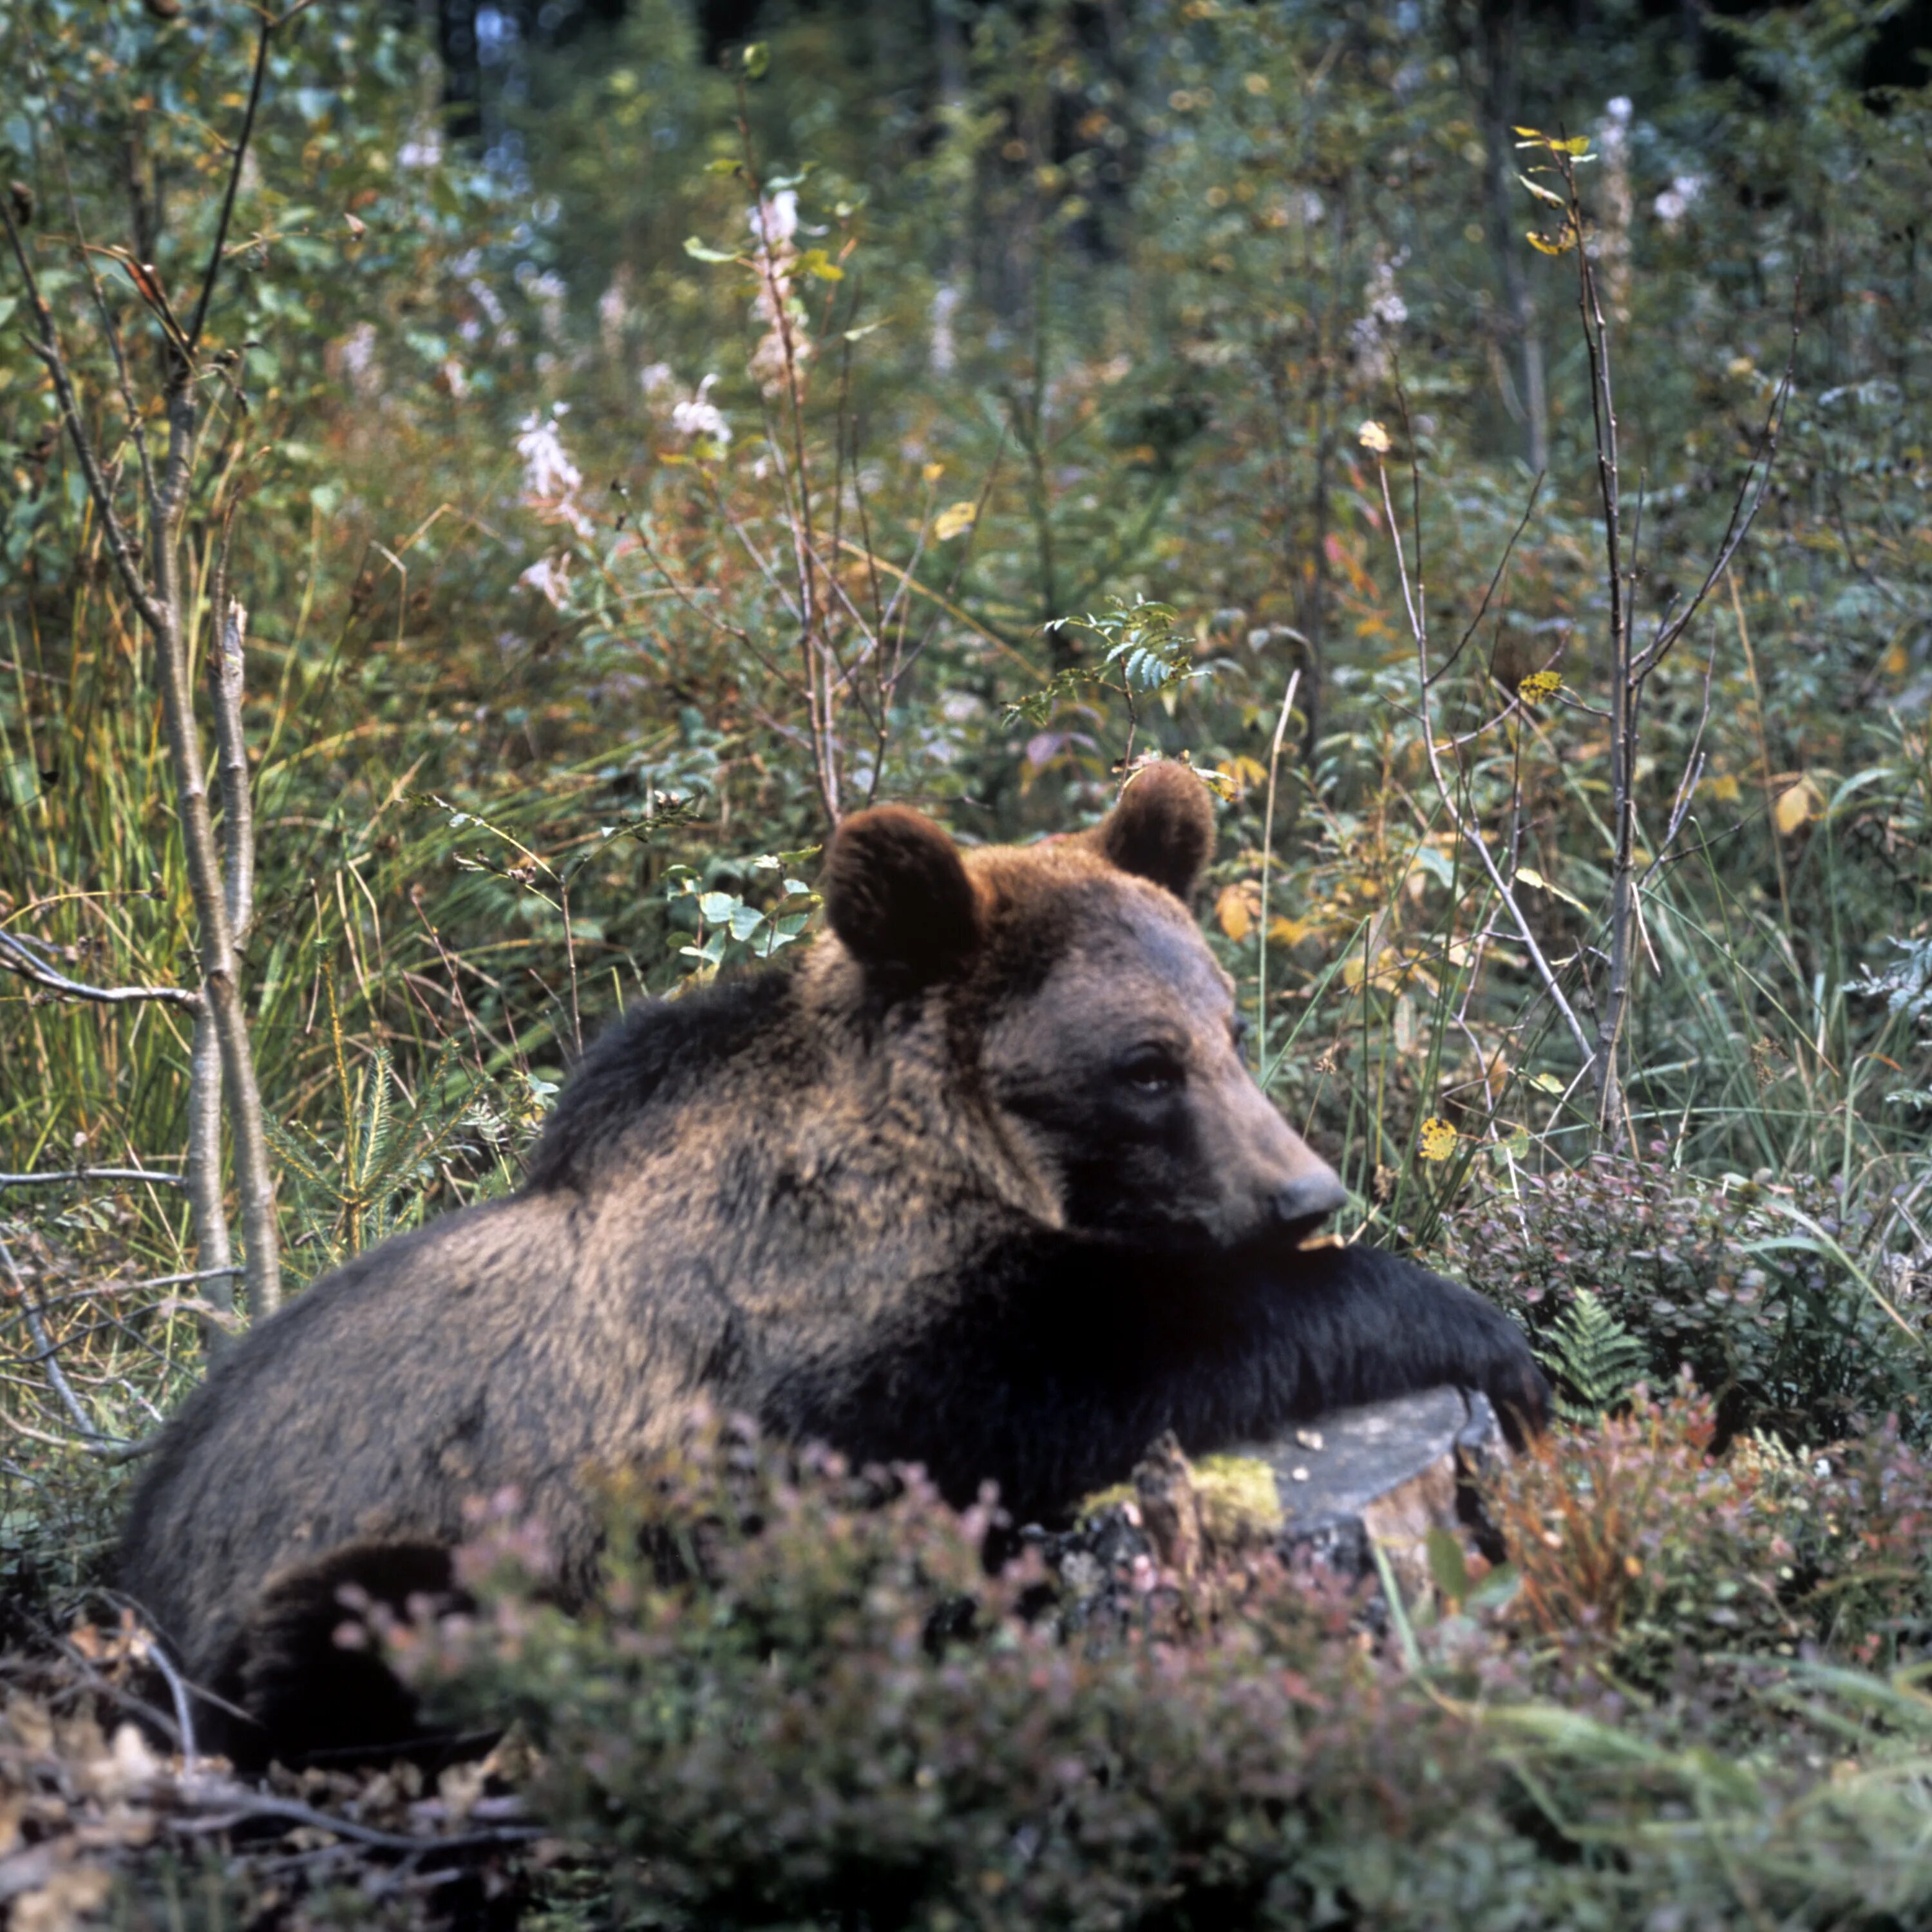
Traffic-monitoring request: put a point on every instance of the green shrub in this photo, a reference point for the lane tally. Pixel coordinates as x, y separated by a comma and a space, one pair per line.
804, 1700
1764, 1291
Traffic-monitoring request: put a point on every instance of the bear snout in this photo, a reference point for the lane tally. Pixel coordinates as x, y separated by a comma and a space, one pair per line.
1304, 1204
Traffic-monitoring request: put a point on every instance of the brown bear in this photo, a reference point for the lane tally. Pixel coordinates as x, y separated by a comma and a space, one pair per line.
983, 1184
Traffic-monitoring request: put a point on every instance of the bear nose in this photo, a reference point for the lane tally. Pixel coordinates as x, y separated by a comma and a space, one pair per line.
1312, 1199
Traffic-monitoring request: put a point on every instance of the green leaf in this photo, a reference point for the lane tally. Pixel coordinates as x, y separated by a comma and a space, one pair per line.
758, 58
1447, 1565
716, 907
816, 262
698, 252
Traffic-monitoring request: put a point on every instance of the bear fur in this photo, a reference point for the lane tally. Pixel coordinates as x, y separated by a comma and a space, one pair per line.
983, 1184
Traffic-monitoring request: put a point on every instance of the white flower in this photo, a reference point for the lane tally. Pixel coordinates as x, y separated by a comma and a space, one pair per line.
549, 576
654, 376
548, 291
775, 218
1676, 202
701, 416
944, 351
358, 362
549, 475
484, 297
1619, 110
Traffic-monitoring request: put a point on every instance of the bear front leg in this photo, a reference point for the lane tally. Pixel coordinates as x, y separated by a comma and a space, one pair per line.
1360, 1326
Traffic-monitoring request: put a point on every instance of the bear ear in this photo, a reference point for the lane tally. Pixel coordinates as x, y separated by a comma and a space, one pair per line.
1161, 829
897, 893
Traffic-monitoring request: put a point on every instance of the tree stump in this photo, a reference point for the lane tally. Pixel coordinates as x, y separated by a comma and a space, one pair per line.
1329, 1493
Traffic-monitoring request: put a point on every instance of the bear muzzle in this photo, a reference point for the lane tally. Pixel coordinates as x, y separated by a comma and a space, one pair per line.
1304, 1204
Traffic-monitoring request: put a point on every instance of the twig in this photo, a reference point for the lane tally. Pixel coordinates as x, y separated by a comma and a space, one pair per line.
156, 1654
1268, 860
47, 349
84, 1174
236, 1802
212, 273
15, 958
47, 1358
1469, 831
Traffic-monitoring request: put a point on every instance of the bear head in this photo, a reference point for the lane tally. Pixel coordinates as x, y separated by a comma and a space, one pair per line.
1072, 994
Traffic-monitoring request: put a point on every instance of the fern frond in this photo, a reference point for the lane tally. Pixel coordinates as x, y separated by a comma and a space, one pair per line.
1595, 1358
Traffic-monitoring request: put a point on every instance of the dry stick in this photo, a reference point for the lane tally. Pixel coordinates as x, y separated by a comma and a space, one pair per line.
217, 931
815, 656
237, 879
66, 1177
208, 1209
1464, 828
46, 348
48, 1359
16, 958
1268, 860
160, 601
1626, 693
238, 1801
1631, 669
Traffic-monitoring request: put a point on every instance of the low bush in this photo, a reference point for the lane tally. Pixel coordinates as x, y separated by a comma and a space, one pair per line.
806, 1700
1635, 1545
1765, 1292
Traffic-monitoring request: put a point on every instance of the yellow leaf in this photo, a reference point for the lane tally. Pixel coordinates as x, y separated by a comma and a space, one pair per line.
1437, 1139
1541, 193
1724, 789
1378, 971
933, 472
1794, 806
1562, 245
1290, 932
1538, 685
1235, 913
1525, 876
954, 520
1372, 436
1245, 772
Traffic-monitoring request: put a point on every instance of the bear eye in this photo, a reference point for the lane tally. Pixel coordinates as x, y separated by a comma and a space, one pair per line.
1239, 1027
1151, 1069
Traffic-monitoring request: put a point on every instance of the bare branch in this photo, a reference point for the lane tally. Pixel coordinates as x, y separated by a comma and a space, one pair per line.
48, 349
1267, 860
1750, 499
212, 274
47, 1357
15, 958
1471, 833
68, 1176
